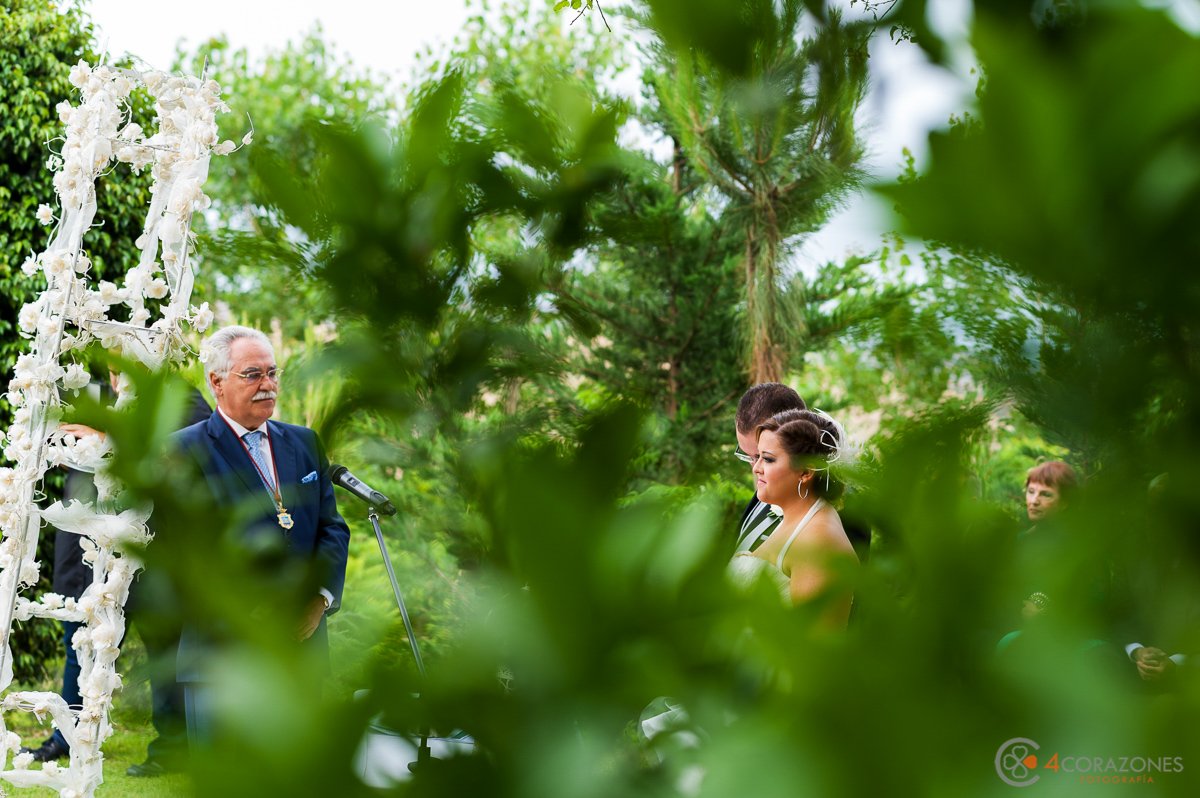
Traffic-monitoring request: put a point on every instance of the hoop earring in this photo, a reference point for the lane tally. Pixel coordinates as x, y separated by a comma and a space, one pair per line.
800, 485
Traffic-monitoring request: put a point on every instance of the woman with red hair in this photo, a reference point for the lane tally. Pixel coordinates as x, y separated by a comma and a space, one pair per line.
1049, 488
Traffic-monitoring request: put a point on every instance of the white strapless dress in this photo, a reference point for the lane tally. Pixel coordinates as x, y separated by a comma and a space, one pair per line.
746, 567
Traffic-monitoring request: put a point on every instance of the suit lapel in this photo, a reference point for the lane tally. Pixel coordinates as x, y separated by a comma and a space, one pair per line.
759, 523
287, 457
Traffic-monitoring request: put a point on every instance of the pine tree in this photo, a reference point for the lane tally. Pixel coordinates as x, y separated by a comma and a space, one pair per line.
778, 145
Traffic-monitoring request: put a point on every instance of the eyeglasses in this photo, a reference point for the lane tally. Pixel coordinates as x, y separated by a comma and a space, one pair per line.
256, 375
745, 458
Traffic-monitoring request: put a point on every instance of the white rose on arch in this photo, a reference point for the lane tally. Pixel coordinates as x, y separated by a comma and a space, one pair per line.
53, 264
156, 288
135, 284
76, 377
49, 325
109, 293
202, 317
27, 318
170, 231
79, 75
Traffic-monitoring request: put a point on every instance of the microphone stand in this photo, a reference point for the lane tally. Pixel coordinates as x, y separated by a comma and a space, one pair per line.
423, 751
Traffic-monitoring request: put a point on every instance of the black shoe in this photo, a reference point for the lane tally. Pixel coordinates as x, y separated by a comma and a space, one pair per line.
48, 751
151, 767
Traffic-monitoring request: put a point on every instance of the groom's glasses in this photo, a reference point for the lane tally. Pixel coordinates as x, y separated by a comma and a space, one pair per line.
256, 375
745, 458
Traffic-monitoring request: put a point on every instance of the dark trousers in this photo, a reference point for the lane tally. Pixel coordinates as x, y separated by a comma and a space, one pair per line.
166, 696
153, 610
199, 699
70, 686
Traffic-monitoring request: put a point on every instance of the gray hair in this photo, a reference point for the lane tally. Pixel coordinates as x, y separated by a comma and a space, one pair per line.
216, 350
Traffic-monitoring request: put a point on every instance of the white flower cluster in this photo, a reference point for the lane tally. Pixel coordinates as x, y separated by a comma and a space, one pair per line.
98, 131
153, 303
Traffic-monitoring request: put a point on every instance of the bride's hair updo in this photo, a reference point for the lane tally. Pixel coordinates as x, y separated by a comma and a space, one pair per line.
811, 440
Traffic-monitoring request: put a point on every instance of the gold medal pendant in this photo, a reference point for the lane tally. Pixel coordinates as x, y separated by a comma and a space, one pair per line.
285, 519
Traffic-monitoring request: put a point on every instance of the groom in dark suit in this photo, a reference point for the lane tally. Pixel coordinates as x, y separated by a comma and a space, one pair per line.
756, 406
277, 470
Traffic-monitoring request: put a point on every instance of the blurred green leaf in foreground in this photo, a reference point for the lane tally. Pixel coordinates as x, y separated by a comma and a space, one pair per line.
588, 608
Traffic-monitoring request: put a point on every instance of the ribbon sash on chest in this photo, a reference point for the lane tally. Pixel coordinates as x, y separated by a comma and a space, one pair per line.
268, 473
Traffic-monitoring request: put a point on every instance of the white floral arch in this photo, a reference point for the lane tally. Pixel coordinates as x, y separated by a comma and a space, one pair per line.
67, 316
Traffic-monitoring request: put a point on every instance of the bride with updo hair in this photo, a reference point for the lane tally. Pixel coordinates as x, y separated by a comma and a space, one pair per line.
808, 548
803, 555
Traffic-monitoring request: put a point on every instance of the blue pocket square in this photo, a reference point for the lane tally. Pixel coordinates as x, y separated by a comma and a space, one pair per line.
312, 475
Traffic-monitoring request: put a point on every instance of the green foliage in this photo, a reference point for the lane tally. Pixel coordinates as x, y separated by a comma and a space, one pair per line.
592, 605
391, 244
41, 44
663, 296
915, 331
499, 228
1002, 458
243, 245
412, 345
1075, 192
582, 6
724, 33
770, 129
1083, 217
655, 309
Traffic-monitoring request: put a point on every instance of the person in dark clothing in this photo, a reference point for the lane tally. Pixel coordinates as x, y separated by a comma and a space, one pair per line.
148, 608
1156, 624
1061, 586
153, 611
70, 578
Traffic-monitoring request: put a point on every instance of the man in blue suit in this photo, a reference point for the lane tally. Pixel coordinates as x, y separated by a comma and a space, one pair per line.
277, 475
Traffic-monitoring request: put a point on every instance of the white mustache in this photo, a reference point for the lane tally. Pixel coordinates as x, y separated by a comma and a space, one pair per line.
261, 395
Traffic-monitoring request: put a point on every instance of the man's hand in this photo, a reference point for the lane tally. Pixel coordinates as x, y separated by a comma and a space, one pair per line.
311, 618
1035, 605
79, 430
1153, 664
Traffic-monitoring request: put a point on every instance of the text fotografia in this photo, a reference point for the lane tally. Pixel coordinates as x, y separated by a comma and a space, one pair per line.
1019, 764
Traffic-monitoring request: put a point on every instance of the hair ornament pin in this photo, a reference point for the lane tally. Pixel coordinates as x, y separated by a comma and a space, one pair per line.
841, 450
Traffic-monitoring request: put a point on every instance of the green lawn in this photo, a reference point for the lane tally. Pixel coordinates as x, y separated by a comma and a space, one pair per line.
126, 747
131, 733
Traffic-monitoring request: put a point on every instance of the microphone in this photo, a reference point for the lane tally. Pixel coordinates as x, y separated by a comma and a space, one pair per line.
340, 475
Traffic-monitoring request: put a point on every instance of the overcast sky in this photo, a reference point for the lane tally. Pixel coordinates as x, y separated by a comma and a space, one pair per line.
908, 97
381, 34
